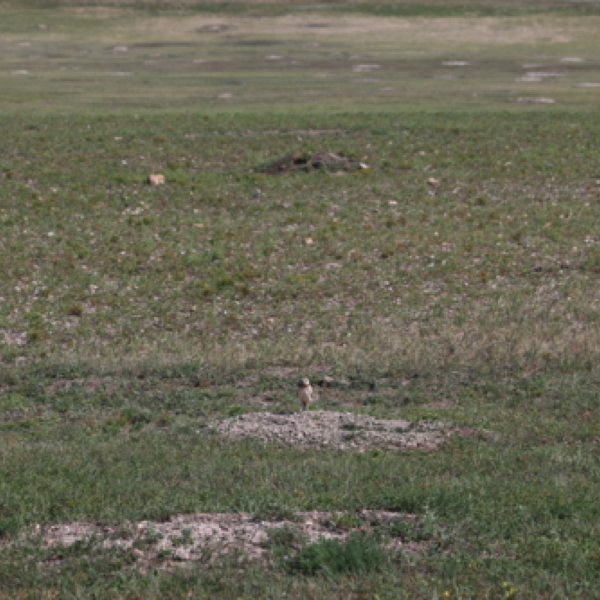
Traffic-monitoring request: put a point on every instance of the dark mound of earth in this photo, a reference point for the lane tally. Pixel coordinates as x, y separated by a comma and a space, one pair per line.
306, 162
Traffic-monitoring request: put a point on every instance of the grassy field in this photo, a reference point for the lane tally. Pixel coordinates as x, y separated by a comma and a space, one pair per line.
455, 279
256, 57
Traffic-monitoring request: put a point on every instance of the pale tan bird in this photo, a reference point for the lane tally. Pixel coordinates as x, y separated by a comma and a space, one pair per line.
305, 392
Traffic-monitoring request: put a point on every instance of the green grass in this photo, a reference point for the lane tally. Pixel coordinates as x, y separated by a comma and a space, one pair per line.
453, 280
150, 311
357, 554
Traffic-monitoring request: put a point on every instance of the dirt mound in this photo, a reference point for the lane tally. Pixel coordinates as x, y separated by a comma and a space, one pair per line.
306, 162
207, 537
334, 430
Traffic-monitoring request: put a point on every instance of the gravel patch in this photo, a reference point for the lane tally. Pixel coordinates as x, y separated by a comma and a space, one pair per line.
334, 430
208, 537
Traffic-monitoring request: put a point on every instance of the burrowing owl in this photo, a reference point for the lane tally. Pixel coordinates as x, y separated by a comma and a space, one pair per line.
305, 392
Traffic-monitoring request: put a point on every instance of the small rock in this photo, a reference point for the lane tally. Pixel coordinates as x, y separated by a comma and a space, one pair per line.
537, 100
182, 555
363, 68
156, 179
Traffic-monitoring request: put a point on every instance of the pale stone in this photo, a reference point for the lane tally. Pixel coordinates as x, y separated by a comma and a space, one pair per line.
156, 179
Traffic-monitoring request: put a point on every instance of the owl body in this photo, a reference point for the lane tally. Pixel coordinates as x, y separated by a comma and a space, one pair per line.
305, 392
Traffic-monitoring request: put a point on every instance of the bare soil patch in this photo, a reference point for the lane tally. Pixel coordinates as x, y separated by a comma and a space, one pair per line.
439, 30
335, 430
206, 538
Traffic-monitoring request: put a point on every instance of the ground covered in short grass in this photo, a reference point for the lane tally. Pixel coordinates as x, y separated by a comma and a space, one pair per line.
452, 278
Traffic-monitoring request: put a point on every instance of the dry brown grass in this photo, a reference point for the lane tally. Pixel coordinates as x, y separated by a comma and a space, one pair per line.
401, 32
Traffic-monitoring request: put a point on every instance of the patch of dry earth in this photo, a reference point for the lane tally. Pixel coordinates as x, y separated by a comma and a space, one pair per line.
206, 537
442, 30
334, 430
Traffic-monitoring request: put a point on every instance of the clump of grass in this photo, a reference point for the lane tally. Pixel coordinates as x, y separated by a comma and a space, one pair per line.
185, 539
284, 538
148, 539
410, 529
351, 427
358, 554
346, 520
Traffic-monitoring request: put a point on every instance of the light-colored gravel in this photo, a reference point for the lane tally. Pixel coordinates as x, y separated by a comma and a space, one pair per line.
334, 430
206, 537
